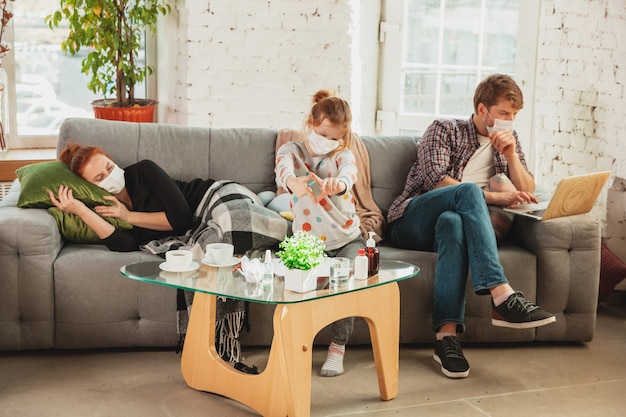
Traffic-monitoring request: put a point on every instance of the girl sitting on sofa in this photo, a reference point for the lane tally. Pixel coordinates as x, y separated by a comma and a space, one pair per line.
319, 173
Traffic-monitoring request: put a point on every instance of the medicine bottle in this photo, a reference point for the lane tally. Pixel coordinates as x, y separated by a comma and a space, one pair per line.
360, 265
268, 268
372, 253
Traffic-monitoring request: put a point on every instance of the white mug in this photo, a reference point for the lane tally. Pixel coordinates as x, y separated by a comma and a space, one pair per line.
180, 258
219, 253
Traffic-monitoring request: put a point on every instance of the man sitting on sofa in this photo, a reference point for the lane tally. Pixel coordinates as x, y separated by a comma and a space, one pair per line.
443, 208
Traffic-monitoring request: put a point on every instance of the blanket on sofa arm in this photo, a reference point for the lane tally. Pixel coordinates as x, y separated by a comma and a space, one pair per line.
228, 212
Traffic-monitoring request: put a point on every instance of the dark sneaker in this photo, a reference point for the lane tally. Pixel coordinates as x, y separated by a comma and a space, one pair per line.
449, 355
519, 313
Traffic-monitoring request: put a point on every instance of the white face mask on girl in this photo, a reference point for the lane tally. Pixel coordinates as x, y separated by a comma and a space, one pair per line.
114, 182
320, 145
500, 125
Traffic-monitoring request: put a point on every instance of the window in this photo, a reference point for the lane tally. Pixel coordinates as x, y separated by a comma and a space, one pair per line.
435, 52
45, 85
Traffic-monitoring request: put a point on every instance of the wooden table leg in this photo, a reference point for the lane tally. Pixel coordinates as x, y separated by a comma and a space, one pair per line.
295, 327
284, 387
203, 369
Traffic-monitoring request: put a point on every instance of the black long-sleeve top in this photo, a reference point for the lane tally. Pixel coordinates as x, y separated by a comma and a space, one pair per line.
152, 190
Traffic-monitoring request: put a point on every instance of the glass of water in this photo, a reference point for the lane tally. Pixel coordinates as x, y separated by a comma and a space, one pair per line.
339, 271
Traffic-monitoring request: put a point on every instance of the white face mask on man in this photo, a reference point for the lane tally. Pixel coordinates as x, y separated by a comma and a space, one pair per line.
320, 145
114, 182
499, 125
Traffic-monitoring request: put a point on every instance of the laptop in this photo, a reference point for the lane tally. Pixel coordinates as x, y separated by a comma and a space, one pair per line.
573, 195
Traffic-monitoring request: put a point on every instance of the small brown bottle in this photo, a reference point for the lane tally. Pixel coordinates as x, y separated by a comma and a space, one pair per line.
372, 254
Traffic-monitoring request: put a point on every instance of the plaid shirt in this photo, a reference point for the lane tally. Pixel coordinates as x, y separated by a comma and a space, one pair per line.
443, 151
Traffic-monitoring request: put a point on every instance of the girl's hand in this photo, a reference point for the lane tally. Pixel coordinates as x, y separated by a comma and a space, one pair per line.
332, 186
117, 210
65, 201
299, 186
325, 187
315, 187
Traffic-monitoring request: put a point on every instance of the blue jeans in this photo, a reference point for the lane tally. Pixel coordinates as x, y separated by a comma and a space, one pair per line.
454, 222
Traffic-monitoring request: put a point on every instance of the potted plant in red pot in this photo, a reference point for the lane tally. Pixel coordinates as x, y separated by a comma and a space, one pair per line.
113, 30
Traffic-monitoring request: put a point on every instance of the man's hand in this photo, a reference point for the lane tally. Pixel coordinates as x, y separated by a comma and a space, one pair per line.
509, 198
503, 142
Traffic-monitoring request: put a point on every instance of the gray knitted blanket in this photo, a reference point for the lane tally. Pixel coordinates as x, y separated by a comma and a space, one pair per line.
228, 212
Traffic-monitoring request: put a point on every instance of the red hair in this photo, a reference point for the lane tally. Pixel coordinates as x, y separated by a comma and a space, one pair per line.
77, 156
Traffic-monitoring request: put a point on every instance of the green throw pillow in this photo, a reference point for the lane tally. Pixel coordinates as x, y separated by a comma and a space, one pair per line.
74, 229
37, 179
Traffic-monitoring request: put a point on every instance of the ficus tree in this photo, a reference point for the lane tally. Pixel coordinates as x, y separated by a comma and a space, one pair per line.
113, 31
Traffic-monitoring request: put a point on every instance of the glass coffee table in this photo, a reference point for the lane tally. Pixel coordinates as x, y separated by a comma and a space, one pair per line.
284, 386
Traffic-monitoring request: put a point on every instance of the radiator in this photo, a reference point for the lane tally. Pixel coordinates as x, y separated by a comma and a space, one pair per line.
4, 189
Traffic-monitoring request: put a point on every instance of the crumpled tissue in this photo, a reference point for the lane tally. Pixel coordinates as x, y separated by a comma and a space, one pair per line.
251, 269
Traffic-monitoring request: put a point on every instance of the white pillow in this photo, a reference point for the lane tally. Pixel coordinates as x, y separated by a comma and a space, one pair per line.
280, 203
266, 197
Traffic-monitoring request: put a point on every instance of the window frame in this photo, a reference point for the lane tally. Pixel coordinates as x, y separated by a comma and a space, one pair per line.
390, 120
49, 141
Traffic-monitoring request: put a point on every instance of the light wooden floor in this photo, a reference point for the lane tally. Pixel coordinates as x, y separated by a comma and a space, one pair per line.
563, 379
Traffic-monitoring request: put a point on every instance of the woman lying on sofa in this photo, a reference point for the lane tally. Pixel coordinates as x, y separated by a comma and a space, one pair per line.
143, 195
166, 214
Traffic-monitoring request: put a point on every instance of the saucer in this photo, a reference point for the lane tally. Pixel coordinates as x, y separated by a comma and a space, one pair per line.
234, 261
170, 268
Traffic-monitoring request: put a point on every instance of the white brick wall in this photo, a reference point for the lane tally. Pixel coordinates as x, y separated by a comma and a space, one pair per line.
252, 63
581, 102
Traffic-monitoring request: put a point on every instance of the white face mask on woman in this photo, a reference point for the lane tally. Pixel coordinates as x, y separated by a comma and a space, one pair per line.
320, 145
114, 182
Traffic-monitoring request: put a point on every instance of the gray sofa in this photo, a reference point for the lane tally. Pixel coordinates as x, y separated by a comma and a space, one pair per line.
59, 295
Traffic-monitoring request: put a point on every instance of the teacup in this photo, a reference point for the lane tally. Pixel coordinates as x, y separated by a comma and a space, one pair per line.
219, 253
179, 258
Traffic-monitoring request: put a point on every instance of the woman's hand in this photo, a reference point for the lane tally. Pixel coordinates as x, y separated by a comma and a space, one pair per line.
64, 200
117, 210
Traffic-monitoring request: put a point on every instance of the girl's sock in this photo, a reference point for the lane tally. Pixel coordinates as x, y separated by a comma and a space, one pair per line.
334, 360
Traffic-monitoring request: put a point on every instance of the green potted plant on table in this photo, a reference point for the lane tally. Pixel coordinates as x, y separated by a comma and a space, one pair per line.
301, 254
113, 30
